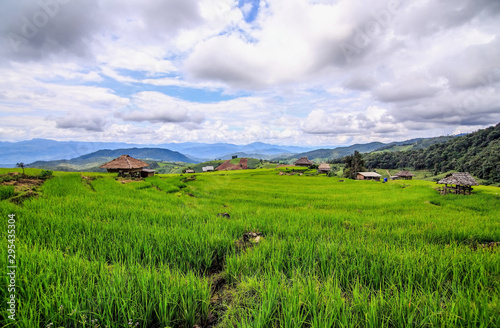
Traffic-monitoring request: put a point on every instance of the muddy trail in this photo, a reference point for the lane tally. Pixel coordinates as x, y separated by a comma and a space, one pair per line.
221, 289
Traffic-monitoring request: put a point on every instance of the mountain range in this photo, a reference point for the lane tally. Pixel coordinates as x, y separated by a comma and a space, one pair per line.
68, 155
92, 161
49, 150
339, 152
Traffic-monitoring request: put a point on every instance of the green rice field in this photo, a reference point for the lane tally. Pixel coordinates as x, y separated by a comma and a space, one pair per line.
251, 248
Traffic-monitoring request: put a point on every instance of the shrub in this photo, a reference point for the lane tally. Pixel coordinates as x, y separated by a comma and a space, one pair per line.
331, 174
45, 174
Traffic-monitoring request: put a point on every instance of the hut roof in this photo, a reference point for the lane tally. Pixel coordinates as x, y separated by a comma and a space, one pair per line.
324, 166
207, 168
370, 174
189, 171
460, 179
303, 161
404, 174
124, 162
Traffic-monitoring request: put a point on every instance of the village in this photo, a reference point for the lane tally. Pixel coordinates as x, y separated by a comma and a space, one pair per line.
454, 183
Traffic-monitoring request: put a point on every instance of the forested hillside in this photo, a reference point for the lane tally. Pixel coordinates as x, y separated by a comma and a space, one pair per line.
477, 153
339, 152
415, 144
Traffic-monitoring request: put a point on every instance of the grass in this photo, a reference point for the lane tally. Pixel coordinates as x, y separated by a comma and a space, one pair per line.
332, 254
6, 192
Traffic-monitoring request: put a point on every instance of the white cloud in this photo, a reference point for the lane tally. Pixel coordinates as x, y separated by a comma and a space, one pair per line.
159, 70
155, 107
78, 121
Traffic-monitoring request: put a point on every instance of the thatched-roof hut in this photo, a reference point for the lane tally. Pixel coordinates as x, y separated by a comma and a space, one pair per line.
124, 165
368, 176
462, 182
404, 175
303, 161
324, 168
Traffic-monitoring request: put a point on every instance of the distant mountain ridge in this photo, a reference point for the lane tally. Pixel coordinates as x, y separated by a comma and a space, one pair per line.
49, 150
329, 154
93, 160
156, 154
373, 147
219, 150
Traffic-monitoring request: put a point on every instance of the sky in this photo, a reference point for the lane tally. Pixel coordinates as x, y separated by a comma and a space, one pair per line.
289, 72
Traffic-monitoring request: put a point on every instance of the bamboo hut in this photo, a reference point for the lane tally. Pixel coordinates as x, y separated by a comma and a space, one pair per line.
303, 161
324, 168
459, 183
145, 173
207, 168
404, 175
125, 165
368, 176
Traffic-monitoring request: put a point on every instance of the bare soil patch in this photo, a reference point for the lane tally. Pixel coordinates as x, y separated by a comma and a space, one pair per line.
221, 295
228, 166
249, 239
494, 245
189, 179
25, 187
28, 182
22, 185
19, 199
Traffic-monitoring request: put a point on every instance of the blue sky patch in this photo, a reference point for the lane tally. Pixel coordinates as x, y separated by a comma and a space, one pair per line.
249, 14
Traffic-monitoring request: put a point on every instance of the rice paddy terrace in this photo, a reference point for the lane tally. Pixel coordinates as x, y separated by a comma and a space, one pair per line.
253, 249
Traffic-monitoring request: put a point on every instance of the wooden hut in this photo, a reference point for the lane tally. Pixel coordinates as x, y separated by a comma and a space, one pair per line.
324, 168
125, 165
303, 161
368, 176
404, 175
207, 168
458, 183
189, 171
147, 173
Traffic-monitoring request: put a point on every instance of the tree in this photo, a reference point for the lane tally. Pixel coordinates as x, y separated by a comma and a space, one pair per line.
21, 165
353, 164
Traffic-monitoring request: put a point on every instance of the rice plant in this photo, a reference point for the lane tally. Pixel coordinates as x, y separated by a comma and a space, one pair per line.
96, 252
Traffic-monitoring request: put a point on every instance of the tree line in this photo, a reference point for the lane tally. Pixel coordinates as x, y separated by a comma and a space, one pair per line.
477, 153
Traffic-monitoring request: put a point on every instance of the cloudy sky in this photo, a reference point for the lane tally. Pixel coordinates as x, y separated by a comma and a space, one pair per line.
295, 72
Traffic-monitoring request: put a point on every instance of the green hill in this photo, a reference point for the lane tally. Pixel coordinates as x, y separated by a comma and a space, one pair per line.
330, 154
321, 155
477, 153
420, 143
